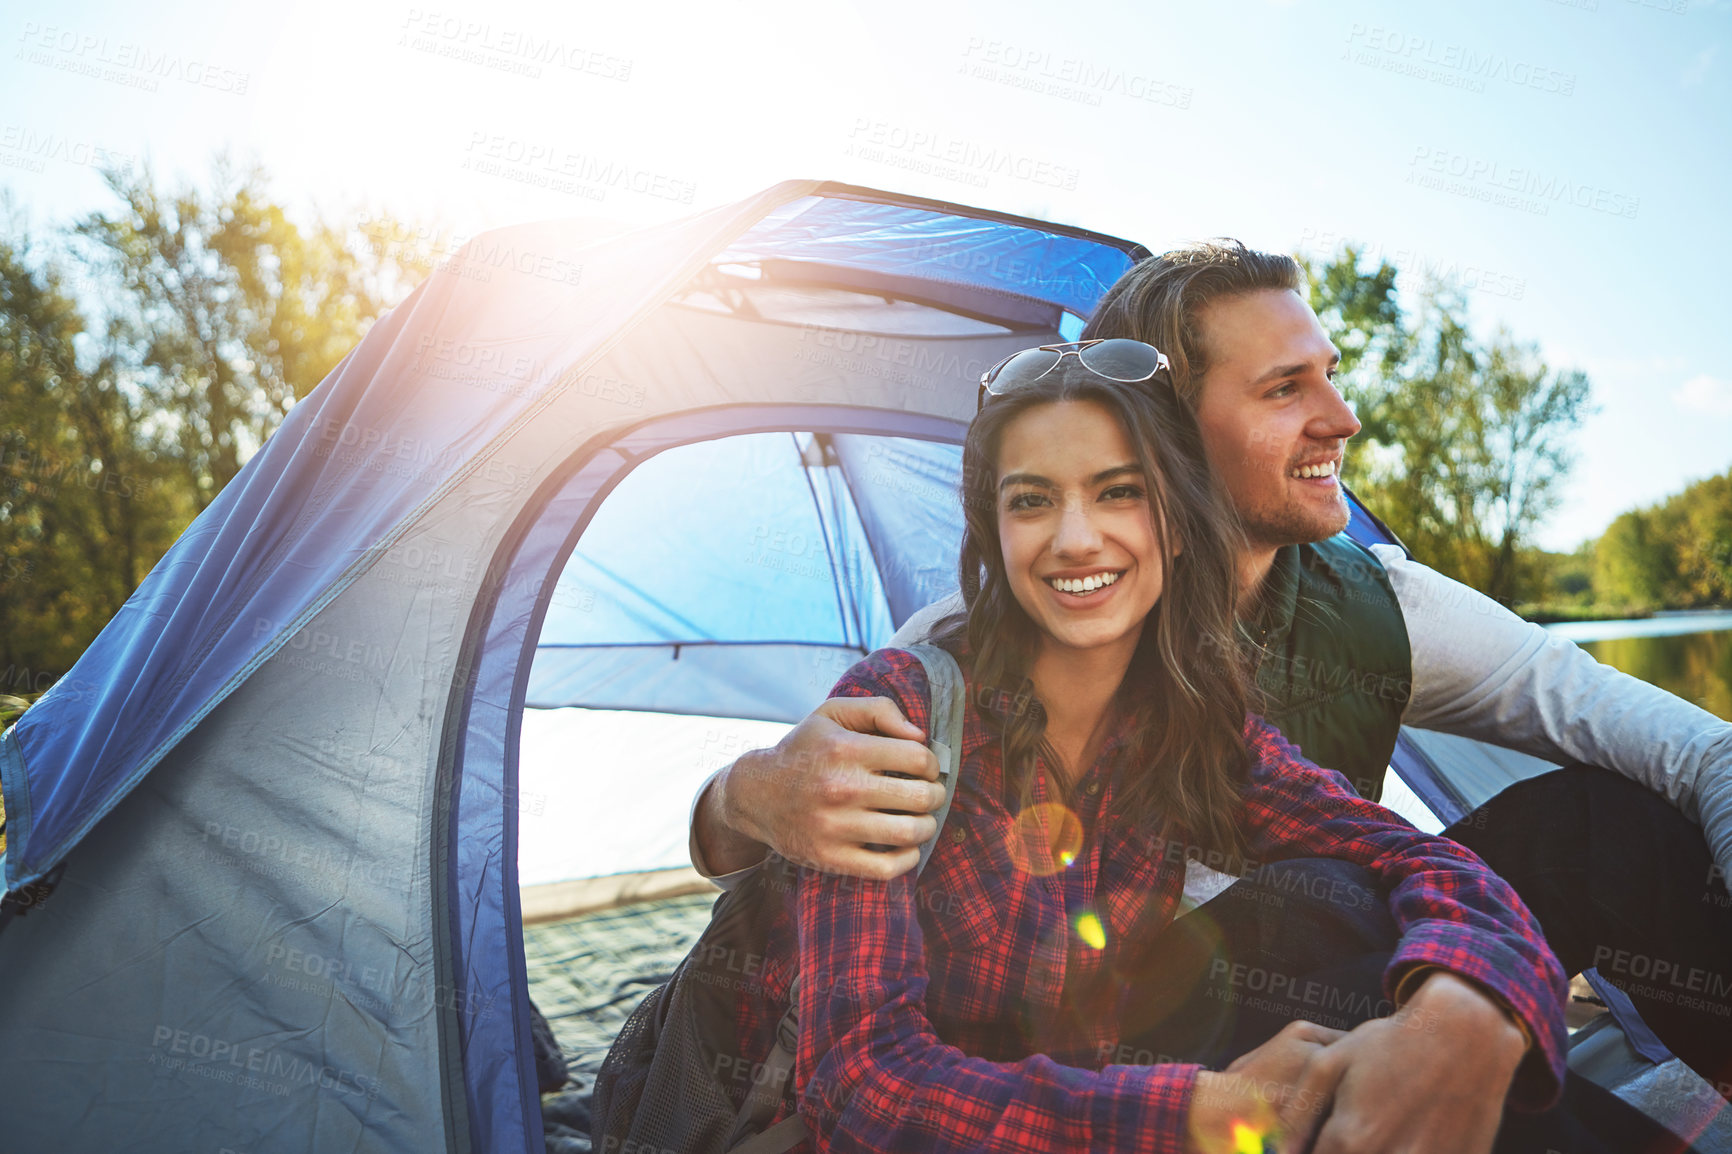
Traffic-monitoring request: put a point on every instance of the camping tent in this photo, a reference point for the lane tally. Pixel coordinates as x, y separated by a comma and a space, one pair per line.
277, 799
274, 796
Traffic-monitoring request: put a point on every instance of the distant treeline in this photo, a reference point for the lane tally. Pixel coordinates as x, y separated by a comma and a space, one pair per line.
1673, 555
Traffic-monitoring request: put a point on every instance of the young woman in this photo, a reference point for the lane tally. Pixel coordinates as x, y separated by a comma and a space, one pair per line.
1109, 734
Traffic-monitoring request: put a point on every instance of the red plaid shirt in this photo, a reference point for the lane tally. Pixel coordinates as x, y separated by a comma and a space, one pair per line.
979, 1009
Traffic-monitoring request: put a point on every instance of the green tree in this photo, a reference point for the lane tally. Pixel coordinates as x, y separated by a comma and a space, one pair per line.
1563, 581
84, 508
1676, 554
1464, 443
145, 353
1516, 423
1633, 566
1703, 542
1360, 312
230, 310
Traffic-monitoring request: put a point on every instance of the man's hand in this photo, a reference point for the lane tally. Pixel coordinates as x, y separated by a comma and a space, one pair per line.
1431, 1079
825, 793
1260, 1093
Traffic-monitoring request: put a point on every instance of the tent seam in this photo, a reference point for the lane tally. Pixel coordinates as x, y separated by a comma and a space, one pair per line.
14, 784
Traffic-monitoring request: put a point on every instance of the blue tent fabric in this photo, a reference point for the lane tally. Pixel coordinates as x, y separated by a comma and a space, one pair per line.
928, 245
338, 508
644, 589
907, 491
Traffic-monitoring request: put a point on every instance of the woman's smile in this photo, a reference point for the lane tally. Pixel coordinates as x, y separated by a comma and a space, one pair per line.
1079, 587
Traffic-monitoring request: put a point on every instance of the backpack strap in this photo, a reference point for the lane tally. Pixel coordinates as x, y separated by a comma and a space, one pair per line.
775, 1079
949, 705
778, 1139
949, 698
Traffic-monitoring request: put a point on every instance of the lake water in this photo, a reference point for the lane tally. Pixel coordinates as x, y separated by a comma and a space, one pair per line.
1689, 654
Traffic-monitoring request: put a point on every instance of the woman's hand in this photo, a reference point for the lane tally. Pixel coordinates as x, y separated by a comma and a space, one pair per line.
1261, 1096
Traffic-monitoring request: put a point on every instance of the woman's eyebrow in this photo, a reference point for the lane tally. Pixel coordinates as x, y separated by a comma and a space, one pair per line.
1041, 482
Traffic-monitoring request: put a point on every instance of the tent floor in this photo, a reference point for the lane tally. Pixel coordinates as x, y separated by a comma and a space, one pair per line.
588, 973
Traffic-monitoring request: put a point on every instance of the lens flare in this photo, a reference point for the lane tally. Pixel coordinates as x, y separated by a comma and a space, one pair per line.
1247, 1139
1048, 839
1089, 929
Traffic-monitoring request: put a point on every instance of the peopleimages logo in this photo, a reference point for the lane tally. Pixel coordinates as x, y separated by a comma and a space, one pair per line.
1518, 186
548, 163
505, 48
1455, 64
40, 147
1412, 263
951, 156
1663, 972
1066, 77
123, 62
255, 1067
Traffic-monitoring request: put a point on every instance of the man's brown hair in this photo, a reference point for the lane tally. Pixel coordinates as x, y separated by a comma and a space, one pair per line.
1158, 300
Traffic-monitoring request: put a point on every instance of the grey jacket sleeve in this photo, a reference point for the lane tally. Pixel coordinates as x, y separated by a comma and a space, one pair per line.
1480, 671
727, 881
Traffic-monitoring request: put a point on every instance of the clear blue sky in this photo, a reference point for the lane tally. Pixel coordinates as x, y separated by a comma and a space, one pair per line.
1567, 162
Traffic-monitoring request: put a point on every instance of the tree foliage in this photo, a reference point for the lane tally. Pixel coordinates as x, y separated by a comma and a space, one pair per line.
229, 310
145, 353
1465, 440
1360, 312
86, 500
1674, 555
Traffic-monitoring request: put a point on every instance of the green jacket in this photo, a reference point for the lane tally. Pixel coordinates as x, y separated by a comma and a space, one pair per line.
1335, 669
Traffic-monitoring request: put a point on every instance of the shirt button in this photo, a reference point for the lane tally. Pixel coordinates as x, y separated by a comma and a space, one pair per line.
1092, 788
958, 834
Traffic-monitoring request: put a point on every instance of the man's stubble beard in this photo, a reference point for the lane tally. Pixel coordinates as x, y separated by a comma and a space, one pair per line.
1292, 524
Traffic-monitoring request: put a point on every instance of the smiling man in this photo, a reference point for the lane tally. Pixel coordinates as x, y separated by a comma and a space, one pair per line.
1270, 354
1351, 644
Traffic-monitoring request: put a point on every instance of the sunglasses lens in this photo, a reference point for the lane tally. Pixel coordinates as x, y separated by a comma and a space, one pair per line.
1024, 368
1122, 360
1118, 359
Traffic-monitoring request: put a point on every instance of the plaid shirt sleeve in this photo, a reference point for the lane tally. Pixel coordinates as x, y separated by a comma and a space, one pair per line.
1453, 911
873, 1075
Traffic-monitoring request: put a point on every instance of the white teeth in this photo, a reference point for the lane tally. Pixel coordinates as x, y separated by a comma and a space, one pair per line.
1326, 469
1082, 584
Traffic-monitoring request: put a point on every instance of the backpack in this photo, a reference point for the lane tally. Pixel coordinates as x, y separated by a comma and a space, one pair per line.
670, 1081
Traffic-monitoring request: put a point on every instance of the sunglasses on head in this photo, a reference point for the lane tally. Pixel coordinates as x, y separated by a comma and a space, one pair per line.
1116, 359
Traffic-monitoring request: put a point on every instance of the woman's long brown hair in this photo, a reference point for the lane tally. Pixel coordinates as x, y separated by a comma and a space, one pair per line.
1186, 690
